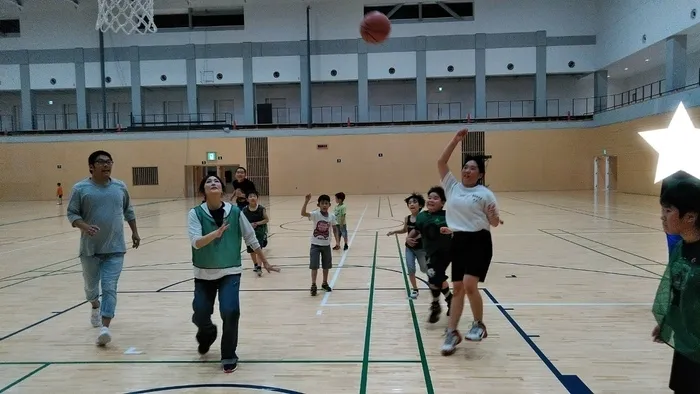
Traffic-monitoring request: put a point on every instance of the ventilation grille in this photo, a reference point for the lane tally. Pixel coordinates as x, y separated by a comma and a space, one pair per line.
144, 176
257, 163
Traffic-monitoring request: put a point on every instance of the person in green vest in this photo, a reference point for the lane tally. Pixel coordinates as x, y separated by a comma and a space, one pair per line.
215, 230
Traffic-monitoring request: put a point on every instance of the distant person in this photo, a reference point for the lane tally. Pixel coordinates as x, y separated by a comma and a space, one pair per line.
677, 299
341, 227
98, 206
258, 218
241, 187
416, 253
320, 255
59, 193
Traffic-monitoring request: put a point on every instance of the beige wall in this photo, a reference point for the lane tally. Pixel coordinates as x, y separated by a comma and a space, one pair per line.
522, 161
29, 170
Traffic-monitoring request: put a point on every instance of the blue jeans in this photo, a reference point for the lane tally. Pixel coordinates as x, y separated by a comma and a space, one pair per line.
205, 292
672, 240
104, 270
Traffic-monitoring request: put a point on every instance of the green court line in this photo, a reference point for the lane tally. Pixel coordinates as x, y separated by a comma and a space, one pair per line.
23, 378
416, 327
368, 330
18, 363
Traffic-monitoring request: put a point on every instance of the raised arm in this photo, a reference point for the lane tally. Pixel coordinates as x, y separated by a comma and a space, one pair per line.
442, 164
304, 213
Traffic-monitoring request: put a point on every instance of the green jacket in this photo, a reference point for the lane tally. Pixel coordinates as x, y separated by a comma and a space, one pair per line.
676, 305
428, 224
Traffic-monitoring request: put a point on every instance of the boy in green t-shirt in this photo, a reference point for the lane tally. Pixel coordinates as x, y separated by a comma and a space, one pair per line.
437, 249
676, 305
341, 228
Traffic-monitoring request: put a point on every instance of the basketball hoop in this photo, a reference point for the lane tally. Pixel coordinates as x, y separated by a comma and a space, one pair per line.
128, 16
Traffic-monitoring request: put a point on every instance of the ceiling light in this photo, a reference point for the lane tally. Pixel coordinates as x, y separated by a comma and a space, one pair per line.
646, 60
626, 68
440, 89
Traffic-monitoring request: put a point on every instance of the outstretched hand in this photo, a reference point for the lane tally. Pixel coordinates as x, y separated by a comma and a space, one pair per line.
460, 134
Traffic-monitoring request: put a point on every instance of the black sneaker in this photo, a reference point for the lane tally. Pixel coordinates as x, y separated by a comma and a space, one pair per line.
205, 340
326, 287
229, 368
314, 289
345, 247
435, 311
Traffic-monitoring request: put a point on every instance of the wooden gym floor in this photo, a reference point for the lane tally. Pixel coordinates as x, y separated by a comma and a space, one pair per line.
568, 306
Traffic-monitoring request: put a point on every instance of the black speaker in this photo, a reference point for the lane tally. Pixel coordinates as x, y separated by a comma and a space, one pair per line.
264, 114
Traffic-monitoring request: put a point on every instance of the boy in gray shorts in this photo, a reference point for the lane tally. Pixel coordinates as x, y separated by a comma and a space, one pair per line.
320, 252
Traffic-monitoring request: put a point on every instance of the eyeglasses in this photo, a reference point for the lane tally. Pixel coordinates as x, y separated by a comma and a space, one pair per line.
104, 162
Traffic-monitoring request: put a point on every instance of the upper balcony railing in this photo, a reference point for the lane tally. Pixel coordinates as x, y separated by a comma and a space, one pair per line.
445, 112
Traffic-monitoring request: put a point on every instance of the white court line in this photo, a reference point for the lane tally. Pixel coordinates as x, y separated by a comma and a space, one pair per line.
512, 304
28, 247
341, 263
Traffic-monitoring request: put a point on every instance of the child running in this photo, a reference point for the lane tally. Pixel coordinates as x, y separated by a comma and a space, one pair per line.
257, 216
341, 228
320, 251
437, 249
415, 203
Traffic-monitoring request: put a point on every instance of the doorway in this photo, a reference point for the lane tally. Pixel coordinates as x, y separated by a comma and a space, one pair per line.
605, 173
195, 174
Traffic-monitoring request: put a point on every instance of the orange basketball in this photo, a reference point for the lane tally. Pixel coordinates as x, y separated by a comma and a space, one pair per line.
375, 27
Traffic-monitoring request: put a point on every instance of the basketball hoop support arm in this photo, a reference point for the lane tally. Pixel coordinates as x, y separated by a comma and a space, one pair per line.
309, 108
103, 82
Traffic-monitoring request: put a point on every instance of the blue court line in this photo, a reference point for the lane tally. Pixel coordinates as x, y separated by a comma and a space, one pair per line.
211, 385
572, 383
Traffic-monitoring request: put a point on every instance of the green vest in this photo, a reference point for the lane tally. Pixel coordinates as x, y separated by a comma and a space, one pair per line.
224, 252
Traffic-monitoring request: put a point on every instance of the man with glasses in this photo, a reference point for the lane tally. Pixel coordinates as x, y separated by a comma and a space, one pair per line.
98, 206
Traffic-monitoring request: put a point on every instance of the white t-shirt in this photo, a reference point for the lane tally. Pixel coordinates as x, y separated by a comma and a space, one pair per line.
323, 228
467, 206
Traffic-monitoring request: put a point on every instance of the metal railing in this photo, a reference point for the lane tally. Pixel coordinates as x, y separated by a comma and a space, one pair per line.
556, 109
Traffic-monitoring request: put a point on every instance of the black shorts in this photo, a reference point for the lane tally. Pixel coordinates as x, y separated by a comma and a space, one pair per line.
262, 242
471, 254
437, 266
684, 375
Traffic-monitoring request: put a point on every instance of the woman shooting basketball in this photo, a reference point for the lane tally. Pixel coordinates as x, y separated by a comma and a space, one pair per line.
471, 211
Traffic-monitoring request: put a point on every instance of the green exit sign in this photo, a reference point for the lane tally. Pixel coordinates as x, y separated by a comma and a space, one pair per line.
211, 156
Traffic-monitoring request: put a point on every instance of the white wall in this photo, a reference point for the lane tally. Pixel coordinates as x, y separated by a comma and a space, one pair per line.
624, 22
44, 26
333, 102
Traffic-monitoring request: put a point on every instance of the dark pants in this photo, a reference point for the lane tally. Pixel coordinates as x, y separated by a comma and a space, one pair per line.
229, 307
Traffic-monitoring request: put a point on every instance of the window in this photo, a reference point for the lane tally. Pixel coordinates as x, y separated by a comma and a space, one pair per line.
144, 176
195, 18
9, 27
426, 11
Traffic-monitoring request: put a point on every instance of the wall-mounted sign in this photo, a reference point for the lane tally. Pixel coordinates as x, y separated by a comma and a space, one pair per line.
211, 156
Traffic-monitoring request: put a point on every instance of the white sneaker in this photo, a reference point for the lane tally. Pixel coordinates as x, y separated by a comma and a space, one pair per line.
95, 318
105, 337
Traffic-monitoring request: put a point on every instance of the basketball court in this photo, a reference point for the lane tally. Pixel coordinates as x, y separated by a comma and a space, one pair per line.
568, 306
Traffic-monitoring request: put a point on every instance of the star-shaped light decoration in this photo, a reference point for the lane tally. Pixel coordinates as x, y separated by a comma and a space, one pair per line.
678, 146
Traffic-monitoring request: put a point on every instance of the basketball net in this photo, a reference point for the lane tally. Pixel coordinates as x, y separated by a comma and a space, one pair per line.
128, 16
